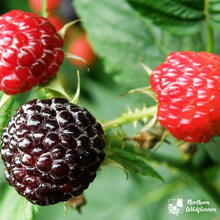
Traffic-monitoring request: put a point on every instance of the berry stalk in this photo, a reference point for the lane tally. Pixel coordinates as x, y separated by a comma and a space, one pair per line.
210, 38
131, 117
44, 9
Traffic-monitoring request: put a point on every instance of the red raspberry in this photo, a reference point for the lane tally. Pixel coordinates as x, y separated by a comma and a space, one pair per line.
52, 150
30, 51
187, 85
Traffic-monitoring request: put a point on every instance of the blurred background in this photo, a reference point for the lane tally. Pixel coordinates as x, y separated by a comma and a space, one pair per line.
111, 196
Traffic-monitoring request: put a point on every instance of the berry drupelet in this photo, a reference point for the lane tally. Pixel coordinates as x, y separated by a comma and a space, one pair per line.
187, 85
52, 150
30, 51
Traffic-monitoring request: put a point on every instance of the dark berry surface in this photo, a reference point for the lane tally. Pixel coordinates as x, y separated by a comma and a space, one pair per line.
52, 150
30, 51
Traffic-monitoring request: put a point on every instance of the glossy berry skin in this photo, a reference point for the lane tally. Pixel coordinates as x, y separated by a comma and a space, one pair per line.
187, 85
51, 150
30, 51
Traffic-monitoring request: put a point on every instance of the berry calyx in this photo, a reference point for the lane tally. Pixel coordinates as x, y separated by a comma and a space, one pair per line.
52, 150
30, 51
187, 85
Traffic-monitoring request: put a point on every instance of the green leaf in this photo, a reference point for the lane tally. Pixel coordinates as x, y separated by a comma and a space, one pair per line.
112, 163
133, 162
213, 149
13, 206
54, 88
119, 36
177, 17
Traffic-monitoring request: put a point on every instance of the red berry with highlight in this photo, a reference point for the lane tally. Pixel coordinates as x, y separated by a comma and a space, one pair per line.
187, 85
52, 150
30, 51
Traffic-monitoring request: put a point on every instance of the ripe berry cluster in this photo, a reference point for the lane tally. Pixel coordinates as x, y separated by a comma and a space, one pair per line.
51, 150
187, 87
30, 51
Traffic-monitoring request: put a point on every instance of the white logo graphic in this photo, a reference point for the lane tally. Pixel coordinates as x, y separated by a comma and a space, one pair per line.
175, 206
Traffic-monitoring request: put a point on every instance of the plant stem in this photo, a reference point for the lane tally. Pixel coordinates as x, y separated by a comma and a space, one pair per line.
209, 38
44, 9
130, 117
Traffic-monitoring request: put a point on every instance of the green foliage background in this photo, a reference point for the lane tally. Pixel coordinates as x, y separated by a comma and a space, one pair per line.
120, 31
